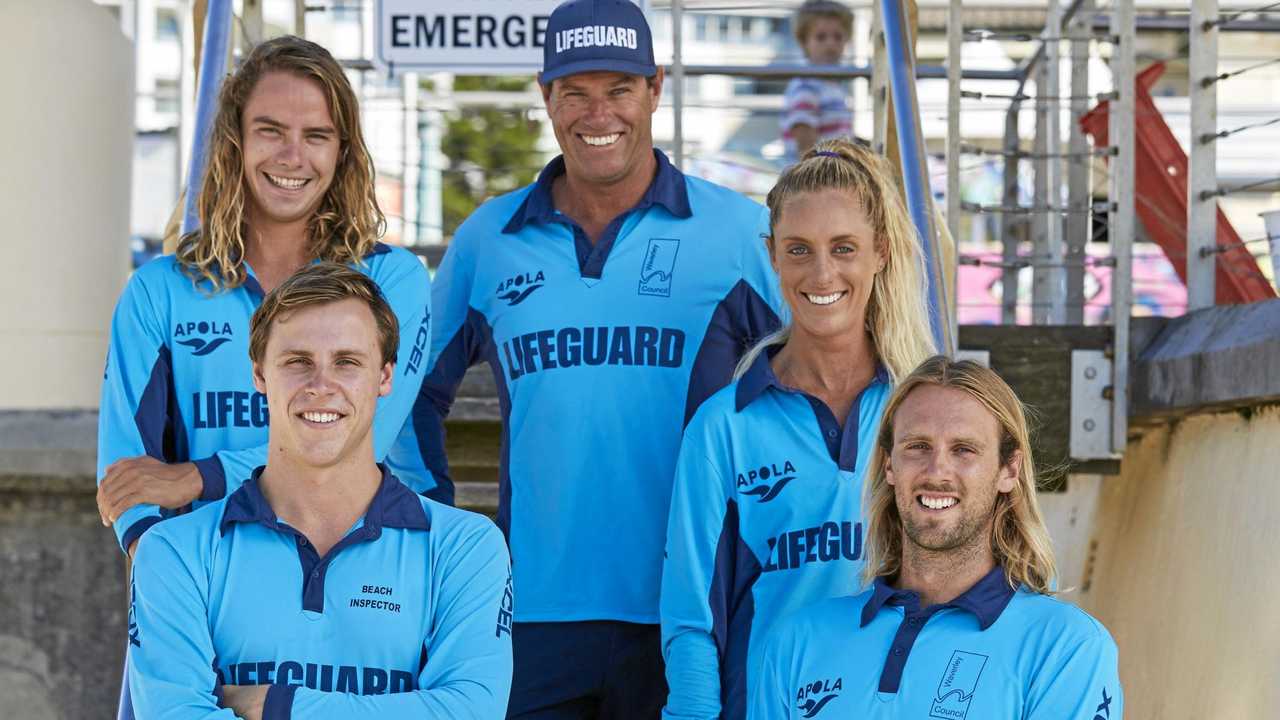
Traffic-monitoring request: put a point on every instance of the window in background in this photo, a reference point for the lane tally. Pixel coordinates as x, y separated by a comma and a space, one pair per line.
167, 25
166, 97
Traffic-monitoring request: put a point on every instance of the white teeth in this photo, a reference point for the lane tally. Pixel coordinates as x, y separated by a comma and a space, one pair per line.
287, 183
320, 417
601, 140
937, 503
823, 299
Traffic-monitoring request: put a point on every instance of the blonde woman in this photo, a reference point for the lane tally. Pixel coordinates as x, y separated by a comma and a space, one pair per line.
766, 514
958, 622
289, 181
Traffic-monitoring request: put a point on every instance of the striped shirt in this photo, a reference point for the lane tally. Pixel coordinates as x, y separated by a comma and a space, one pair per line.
820, 104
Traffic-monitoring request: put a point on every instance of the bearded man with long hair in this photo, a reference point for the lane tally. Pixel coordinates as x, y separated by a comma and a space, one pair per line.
959, 621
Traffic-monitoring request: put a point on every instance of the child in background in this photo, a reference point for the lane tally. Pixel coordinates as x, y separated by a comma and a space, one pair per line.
816, 109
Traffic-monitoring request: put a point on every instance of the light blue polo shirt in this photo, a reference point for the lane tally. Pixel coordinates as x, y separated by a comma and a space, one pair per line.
178, 385
766, 517
408, 616
993, 652
600, 353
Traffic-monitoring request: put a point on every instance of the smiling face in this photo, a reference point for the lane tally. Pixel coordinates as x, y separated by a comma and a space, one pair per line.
322, 374
945, 470
825, 42
290, 146
603, 122
826, 255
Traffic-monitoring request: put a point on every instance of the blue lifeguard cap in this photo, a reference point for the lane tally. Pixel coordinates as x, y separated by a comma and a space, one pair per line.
597, 35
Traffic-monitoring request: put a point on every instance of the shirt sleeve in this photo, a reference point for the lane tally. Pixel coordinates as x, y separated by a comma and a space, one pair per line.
701, 541
468, 670
407, 288
751, 309
1080, 683
460, 338
800, 104
137, 412
771, 698
171, 655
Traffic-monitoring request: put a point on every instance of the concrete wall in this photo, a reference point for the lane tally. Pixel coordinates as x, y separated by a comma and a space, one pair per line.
63, 601
1184, 568
64, 213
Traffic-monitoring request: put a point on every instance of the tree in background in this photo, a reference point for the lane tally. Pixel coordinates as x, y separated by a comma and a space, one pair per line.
491, 150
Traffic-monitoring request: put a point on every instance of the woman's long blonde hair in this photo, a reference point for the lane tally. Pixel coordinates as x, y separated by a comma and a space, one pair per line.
348, 222
897, 309
1019, 539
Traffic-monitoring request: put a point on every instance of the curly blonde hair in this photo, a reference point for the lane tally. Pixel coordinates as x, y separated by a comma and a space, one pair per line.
348, 222
897, 309
1019, 539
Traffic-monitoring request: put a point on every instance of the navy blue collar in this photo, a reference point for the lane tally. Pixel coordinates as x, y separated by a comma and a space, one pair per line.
759, 377
394, 505
987, 599
667, 189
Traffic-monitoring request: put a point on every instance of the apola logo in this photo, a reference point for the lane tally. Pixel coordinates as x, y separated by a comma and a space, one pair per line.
765, 492
514, 290
203, 346
814, 696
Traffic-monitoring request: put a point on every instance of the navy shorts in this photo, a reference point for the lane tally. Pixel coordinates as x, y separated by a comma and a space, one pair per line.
587, 670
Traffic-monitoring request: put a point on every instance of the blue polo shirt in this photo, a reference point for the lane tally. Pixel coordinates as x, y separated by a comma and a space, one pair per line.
179, 384
409, 615
600, 352
993, 652
766, 517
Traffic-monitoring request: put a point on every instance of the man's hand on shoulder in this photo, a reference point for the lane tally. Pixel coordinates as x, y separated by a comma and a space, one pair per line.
245, 701
144, 479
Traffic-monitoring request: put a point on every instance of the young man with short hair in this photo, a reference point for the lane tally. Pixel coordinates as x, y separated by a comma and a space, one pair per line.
323, 587
959, 622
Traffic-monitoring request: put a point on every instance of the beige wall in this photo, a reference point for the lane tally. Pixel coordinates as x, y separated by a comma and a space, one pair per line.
67, 120
1186, 571
1070, 517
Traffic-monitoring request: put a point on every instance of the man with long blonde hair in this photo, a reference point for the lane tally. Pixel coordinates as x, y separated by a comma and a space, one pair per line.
959, 622
288, 182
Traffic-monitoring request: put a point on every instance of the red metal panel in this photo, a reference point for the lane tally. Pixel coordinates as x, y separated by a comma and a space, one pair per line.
1161, 184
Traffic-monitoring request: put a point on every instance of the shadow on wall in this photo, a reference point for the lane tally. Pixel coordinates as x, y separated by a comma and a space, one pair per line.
25, 684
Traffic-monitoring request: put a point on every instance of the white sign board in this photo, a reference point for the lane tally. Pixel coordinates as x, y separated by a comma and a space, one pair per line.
476, 37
